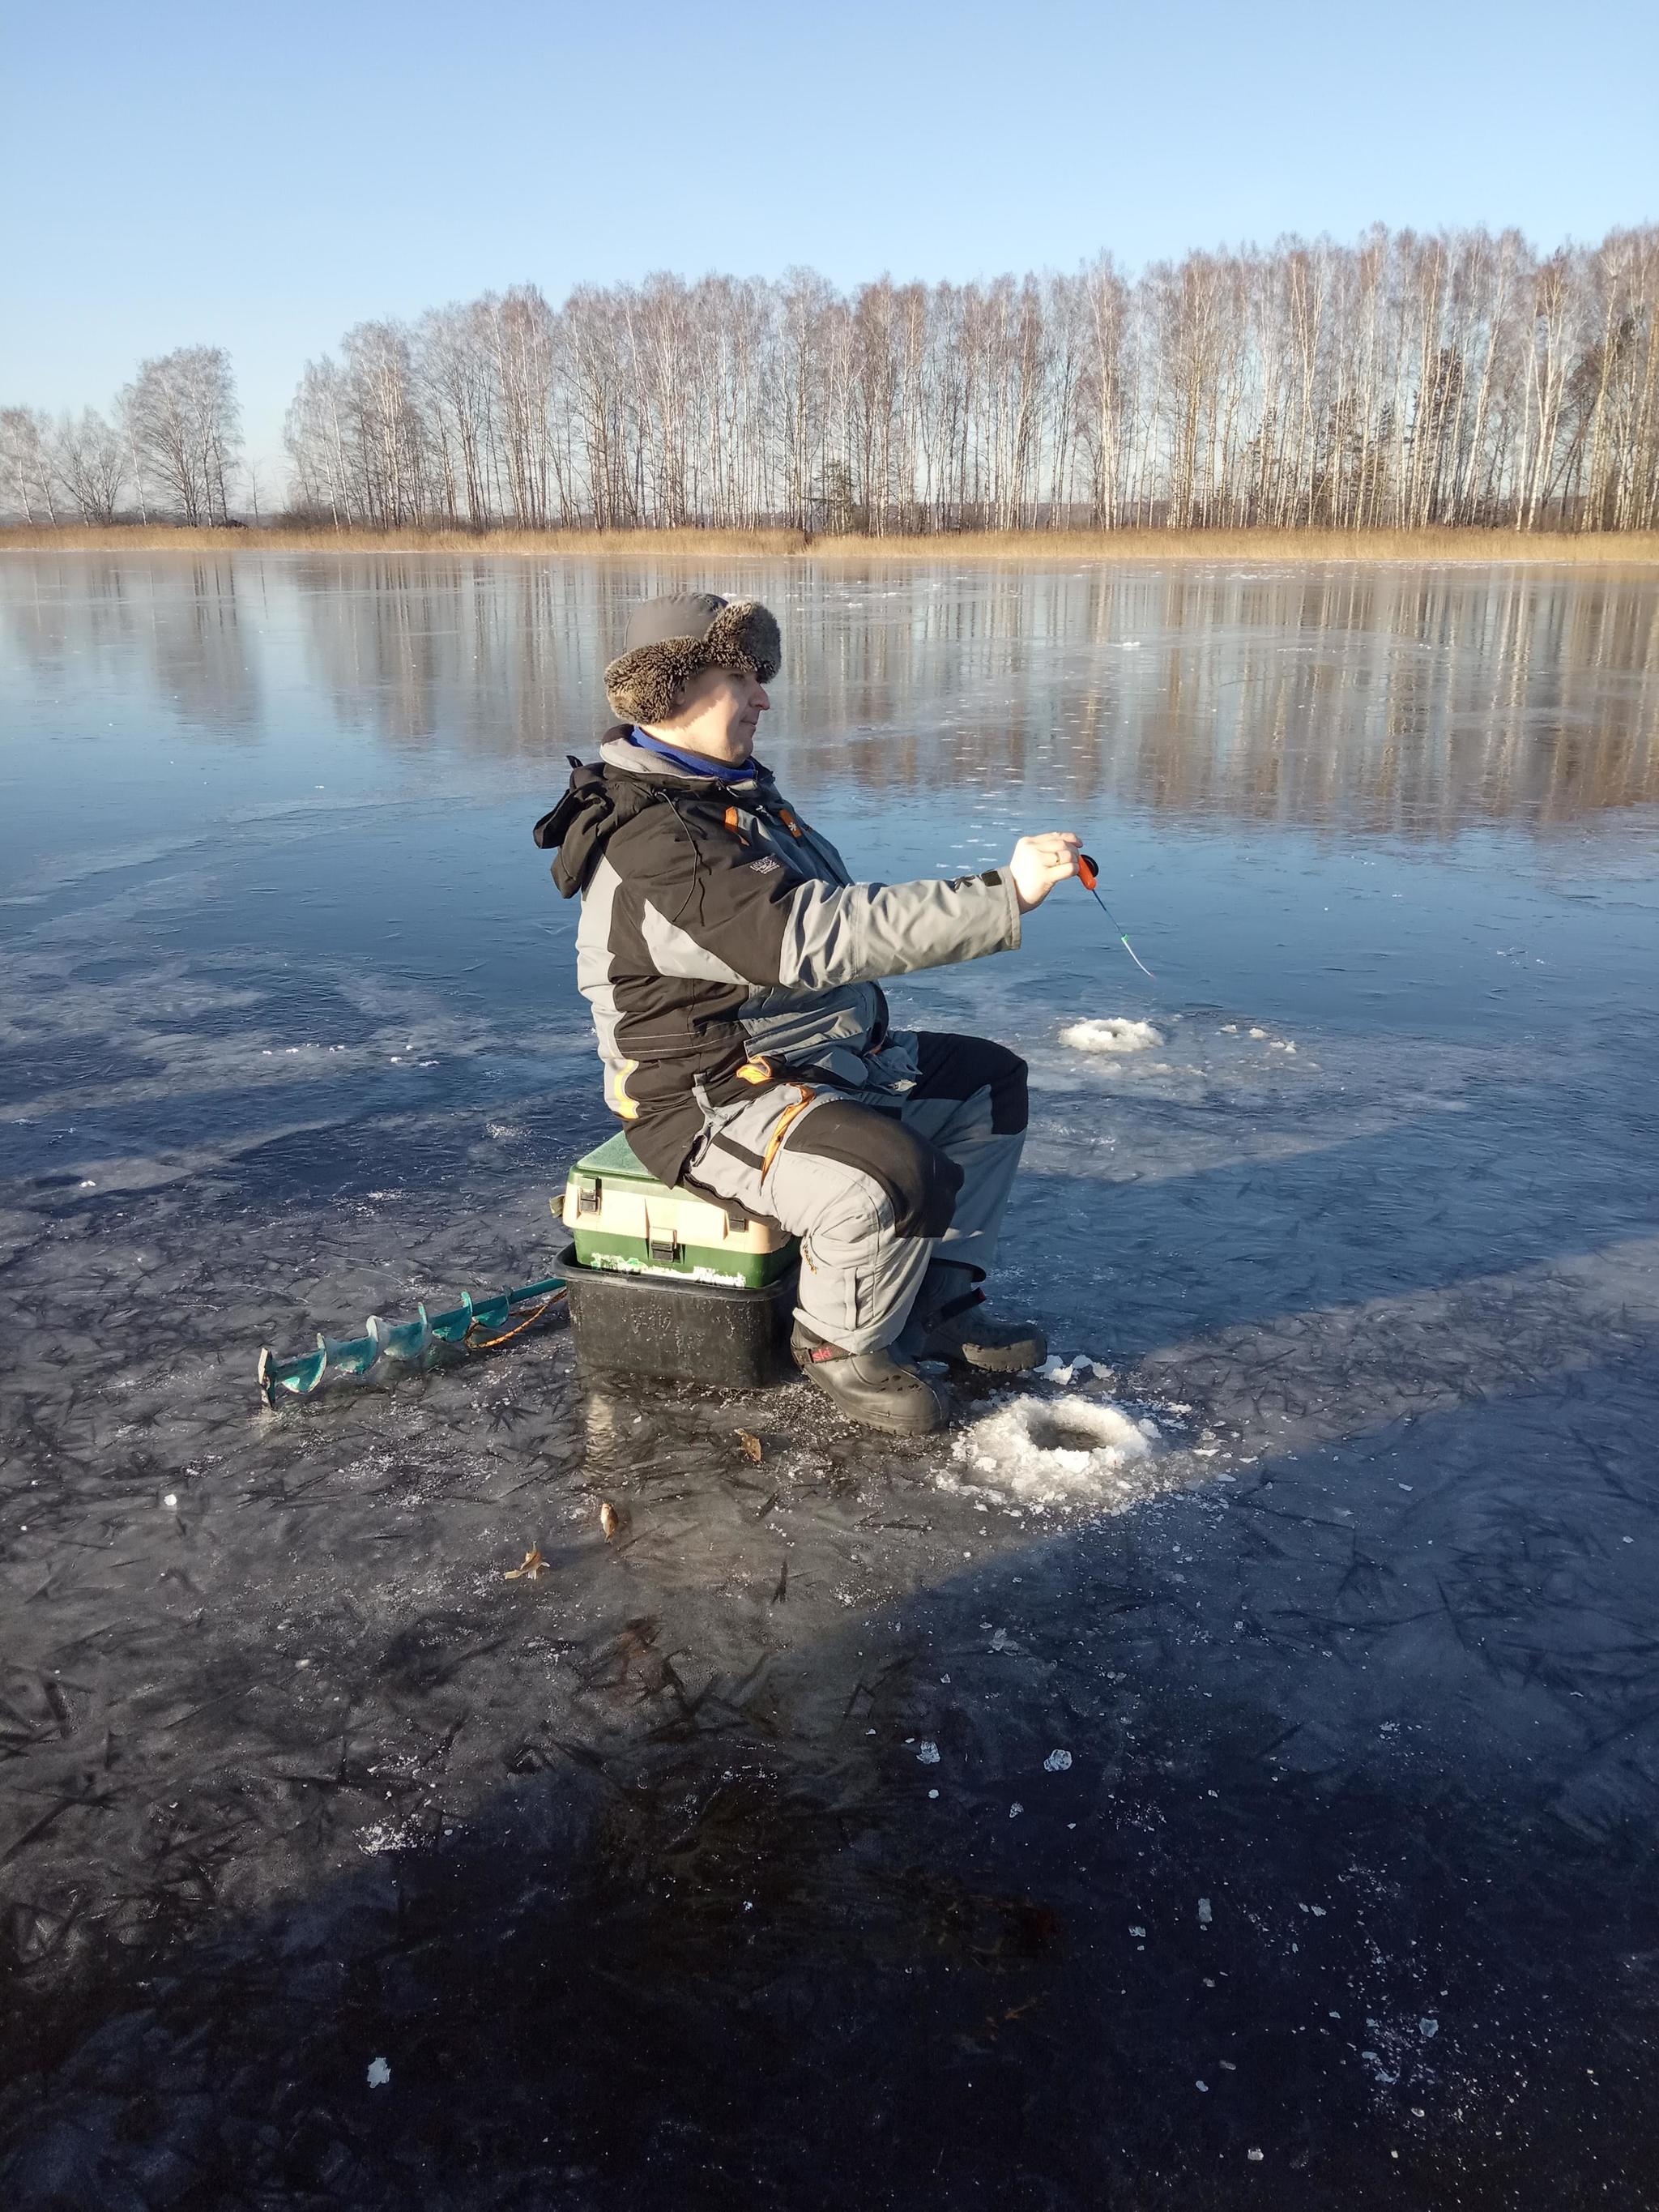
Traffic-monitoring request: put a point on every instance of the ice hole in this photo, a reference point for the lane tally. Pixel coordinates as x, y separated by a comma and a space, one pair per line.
1045, 1453
1059, 1432
1116, 1034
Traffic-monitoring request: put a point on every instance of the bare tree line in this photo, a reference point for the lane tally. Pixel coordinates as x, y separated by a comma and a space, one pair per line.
1404, 382
1409, 381
173, 443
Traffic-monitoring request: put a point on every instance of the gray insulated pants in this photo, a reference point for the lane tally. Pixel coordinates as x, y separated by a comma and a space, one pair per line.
878, 1187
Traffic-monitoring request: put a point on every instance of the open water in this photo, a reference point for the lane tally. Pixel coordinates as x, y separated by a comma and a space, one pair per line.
734, 1860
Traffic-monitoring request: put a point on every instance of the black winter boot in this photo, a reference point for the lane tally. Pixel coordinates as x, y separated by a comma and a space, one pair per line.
871, 1388
964, 1330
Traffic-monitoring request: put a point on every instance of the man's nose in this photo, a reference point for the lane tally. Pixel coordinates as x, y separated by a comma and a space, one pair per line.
761, 700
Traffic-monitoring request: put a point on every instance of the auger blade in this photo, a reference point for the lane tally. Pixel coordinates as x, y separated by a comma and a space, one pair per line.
492, 1312
406, 1340
349, 1355
301, 1375
451, 1328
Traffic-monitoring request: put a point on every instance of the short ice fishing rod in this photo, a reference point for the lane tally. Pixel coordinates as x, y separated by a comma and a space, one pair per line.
1089, 872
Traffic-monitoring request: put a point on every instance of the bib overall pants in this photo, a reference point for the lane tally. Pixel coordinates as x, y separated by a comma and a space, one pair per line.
897, 1197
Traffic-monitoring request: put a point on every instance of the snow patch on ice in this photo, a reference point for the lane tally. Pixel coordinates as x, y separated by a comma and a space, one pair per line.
385, 1835
1044, 1453
1117, 1034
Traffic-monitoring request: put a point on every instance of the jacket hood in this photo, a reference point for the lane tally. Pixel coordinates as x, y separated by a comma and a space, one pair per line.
604, 795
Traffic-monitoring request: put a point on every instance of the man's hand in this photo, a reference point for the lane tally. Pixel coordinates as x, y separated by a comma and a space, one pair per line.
1040, 863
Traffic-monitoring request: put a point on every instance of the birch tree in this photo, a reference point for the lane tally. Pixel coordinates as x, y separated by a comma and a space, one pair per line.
181, 422
89, 461
25, 460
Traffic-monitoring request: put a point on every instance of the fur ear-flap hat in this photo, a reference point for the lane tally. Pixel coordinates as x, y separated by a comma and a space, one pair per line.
671, 640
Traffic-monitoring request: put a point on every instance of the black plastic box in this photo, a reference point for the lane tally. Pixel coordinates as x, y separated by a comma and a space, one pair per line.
669, 1329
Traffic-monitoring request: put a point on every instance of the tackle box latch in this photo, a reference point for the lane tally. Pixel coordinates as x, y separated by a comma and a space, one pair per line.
668, 1251
589, 1198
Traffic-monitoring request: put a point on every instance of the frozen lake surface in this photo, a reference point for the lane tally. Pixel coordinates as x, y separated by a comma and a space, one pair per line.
733, 1861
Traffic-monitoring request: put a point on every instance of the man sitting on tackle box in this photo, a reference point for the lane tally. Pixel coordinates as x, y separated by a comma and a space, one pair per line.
734, 969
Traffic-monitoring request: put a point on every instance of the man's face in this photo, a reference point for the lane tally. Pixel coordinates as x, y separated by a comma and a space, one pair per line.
718, 717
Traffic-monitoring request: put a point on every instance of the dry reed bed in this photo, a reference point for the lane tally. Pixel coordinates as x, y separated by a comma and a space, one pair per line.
1044, 548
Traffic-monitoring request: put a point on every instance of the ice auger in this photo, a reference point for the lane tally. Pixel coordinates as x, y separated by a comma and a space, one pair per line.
476, 1325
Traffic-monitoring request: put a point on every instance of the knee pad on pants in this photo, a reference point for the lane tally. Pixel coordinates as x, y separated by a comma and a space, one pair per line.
957, 1067
919, 1182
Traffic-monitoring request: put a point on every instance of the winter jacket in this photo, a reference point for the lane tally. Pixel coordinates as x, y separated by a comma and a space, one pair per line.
722, 942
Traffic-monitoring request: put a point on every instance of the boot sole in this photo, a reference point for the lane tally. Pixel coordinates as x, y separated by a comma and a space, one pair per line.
992, 1362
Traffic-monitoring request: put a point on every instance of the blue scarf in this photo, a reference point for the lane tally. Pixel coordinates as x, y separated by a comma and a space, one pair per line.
722, 771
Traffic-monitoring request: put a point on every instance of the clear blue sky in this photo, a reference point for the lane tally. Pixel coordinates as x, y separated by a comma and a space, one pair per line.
259, 176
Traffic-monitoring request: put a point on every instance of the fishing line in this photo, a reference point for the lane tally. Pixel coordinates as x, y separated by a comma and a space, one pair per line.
1089, 873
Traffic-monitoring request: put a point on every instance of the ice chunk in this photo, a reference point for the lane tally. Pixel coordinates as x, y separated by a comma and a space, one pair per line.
928, 1755
1057, 1762
1116, 1034
1055, 1370
379, 2073
1204, 1915
1046, 1454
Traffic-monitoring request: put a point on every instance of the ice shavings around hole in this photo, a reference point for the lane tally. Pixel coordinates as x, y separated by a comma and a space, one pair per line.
1055, 1369
1046, 1454
1117, 1034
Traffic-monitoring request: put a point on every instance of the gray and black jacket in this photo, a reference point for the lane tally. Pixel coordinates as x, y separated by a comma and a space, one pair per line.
719, 932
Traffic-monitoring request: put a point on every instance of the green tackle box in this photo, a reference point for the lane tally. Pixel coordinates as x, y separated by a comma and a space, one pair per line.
625, 1222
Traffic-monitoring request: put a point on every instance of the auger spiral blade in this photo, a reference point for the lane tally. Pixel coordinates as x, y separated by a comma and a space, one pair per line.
349, 1355
476, 1325
406, 1340
451, 1328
